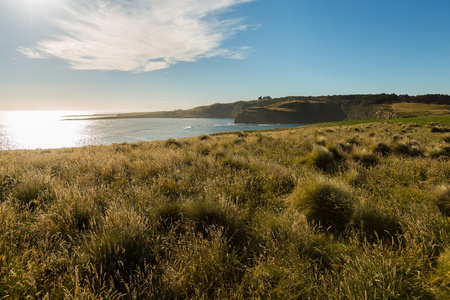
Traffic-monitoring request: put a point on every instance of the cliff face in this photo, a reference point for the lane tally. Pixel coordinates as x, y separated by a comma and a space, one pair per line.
297, 109
292, 112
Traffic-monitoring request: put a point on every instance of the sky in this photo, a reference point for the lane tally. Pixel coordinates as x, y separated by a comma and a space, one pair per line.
150, 55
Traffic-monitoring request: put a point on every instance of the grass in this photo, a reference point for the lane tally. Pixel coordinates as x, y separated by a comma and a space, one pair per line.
349, 210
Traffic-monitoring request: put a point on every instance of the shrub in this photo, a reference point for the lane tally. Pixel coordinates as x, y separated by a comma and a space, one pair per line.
325, 202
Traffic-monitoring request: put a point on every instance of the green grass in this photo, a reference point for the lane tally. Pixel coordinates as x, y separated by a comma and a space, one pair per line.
355, 210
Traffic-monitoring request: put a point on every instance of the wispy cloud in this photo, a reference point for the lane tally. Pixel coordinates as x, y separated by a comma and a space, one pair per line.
31, 53
142, 35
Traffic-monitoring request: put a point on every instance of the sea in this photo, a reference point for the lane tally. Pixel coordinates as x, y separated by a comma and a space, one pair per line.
62, 129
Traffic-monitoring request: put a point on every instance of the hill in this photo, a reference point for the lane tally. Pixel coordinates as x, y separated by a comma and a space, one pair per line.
309, 109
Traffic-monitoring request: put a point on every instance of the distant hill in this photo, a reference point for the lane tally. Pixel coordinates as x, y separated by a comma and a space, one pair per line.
306, 109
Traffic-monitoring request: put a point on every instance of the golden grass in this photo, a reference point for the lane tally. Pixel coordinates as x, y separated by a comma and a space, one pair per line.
322, 212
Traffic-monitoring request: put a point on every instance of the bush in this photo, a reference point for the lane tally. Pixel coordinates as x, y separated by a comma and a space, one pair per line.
325, 202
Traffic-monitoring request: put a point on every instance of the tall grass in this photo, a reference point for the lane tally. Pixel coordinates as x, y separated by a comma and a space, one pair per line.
337, 211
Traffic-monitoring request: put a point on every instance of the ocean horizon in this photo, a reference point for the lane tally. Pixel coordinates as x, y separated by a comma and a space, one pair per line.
51, 129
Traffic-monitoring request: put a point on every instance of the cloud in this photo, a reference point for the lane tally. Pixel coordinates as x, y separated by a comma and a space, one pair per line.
142, 35
31, 53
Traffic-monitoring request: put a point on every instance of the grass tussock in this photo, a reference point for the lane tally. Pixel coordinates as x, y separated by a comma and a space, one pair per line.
325, 202
330, 211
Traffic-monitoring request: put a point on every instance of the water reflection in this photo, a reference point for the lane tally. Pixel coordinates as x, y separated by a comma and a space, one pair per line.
39, 129
48, 129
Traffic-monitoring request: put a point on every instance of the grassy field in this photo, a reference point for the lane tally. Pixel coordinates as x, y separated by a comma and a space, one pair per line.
329, 211
420, 109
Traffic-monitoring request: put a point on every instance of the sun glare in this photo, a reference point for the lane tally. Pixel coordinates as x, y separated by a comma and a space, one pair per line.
31, 130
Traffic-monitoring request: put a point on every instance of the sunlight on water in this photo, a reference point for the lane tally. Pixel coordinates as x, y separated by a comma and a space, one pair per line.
39, 129
49, 129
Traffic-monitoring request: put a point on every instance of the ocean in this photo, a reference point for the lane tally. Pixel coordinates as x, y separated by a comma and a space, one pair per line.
50, 129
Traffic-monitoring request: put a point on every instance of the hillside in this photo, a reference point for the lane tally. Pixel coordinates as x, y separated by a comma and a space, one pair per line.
326, 211
307, 110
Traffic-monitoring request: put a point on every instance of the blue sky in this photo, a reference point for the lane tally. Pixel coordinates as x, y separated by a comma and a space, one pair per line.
147, 55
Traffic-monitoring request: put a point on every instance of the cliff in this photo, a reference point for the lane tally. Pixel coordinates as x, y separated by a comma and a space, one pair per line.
302, 109
293, 112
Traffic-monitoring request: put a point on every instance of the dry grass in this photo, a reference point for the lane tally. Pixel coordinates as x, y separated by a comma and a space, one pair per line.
344, 212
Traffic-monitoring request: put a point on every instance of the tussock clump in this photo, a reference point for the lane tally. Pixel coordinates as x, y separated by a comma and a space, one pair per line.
201, 268
354, 140
396, 137
446, 138
33, 189
400, 148
354, 177
172, 143
439, 152
69, 216
234, 162
121, 248
376, 223
337, 152
168, 215
241, 134
440, 129
346, 147
364, 157
325, 202
409, 149
321, 158
219, 214
443, 199
382, 148
321, 140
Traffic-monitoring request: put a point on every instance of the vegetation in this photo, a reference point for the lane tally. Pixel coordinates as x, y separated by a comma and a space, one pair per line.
327, 211
309, 109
